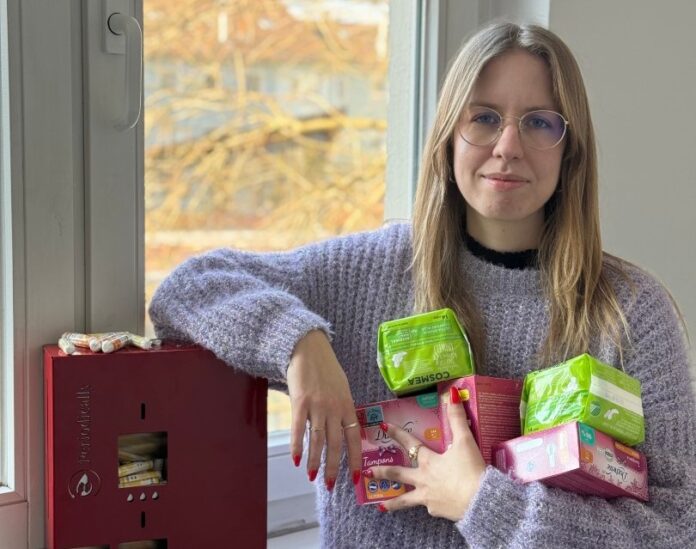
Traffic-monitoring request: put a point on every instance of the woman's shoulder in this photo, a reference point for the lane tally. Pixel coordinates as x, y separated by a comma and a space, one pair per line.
391, 232
392, 237
639, 291
656, 330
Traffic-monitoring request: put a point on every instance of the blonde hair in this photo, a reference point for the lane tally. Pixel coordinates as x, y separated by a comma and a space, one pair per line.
575, 275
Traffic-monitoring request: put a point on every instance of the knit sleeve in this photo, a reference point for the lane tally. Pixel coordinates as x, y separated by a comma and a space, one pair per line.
505, 513
250, 309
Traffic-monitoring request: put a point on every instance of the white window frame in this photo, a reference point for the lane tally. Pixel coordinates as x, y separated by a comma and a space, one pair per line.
68, 207
12, 483
47, 234
13, 493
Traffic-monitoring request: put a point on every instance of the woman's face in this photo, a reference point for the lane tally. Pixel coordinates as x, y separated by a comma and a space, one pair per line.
507, 183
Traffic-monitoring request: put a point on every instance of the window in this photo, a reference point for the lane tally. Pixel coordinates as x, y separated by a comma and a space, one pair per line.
264, 129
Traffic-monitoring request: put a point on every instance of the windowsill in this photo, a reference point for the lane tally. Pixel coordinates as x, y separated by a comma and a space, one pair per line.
291, 497
9, 496
306, 539
278, 443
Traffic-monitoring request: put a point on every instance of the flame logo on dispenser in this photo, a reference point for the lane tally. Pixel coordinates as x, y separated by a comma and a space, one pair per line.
84, 483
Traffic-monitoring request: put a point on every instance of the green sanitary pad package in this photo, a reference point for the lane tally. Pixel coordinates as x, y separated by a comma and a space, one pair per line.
584, 389
419, 351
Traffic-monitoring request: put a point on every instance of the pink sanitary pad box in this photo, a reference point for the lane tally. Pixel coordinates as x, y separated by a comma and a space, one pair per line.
577, 458
492, 405
418, 415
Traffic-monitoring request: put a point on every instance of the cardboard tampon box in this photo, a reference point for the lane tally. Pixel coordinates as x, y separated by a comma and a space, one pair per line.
418, 415
578, 458
492, 407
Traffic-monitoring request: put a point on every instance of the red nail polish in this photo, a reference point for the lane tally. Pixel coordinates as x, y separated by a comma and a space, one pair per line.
368, 473
330, 483
384, 427
454, 395
356, 476
312, 475
382, 508
296, 460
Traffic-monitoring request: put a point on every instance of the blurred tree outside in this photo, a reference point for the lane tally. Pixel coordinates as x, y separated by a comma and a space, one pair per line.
265, 127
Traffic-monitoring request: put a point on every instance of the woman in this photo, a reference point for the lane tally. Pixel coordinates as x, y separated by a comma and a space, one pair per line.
506, 233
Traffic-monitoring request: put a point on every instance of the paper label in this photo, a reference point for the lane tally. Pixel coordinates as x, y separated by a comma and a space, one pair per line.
584, 389
617, 395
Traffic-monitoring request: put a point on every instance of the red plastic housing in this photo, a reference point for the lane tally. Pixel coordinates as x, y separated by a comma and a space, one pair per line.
214, 418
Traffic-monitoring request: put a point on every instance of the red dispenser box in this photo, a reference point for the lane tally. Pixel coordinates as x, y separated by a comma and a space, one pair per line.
203, 421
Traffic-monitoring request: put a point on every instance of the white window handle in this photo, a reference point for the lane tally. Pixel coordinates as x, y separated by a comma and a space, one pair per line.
129, 27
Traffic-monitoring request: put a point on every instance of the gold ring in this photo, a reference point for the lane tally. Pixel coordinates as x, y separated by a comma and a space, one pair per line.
316, 429
351, 425
413, 454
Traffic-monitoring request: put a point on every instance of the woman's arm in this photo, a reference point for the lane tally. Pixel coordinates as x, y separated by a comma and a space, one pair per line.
256, 313
270, 315
507, 514
250, 309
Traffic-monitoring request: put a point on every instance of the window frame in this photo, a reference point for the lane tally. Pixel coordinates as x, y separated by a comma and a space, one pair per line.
8, 421
12, 395
47, 232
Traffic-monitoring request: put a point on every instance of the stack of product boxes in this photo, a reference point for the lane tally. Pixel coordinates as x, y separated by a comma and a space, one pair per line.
579, 420
428, 354
568, 413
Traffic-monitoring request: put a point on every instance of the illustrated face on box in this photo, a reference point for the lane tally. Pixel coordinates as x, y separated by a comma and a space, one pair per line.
418, 415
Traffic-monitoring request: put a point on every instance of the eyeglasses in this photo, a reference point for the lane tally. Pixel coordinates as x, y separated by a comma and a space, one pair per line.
539, 130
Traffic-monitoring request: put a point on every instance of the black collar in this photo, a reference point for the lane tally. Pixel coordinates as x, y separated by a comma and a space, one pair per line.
509, 260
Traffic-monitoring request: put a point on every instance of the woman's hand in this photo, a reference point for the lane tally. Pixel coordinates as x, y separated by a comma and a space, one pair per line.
444, 483
321, 401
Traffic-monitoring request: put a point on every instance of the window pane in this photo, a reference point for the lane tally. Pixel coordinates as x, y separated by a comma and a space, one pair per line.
265, 127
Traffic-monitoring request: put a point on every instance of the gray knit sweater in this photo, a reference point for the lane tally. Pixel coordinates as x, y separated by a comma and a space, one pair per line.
251, 310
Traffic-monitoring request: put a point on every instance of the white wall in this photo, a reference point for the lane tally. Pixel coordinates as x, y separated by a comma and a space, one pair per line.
518, 11
638, 60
